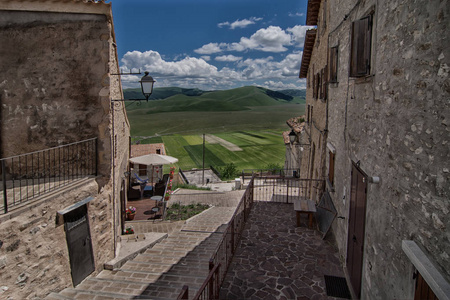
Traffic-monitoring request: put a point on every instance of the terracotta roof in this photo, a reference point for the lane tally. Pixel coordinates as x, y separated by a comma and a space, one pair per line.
294, 124
312, 13
307, 52
143, 149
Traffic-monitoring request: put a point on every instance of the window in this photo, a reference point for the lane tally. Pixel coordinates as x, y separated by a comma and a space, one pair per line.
307, 117
331, 168
360, 47
323, 83
333, 67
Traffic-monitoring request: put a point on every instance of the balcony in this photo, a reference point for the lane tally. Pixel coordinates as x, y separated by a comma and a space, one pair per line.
26, 177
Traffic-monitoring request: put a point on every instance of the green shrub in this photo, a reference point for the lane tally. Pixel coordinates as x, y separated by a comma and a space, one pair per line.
229, 171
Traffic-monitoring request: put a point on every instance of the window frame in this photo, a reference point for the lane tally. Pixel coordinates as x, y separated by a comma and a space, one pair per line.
333, 66
361, 44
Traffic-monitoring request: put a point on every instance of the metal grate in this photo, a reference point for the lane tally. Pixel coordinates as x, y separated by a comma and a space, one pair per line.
337, 287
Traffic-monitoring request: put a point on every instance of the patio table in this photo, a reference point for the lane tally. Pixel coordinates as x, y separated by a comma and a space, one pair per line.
304, 206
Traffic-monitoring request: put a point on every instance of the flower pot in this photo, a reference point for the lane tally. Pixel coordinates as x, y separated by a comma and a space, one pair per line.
166, 198
130, 216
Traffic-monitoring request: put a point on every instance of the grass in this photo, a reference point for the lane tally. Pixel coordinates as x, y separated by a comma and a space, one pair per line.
257, 130
178, 212
259, 148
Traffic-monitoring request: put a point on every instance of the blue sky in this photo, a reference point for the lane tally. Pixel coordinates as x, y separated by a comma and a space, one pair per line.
211, 44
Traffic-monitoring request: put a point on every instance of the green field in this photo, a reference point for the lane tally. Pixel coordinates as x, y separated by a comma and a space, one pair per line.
259, 148
249, 117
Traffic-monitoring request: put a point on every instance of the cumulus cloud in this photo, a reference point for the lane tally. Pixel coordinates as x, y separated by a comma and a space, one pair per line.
229, 58
240, 23
279, 85
298, 34
270, 39
197, 72
206, 57
152, 61
210, 48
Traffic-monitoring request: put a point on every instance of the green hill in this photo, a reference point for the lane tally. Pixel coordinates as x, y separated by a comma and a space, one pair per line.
179, 99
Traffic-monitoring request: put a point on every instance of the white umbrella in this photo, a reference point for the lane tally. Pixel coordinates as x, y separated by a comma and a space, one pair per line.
154, 159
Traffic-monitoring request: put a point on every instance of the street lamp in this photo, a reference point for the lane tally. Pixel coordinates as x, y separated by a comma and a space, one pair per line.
147, 85
146, 82
292, 136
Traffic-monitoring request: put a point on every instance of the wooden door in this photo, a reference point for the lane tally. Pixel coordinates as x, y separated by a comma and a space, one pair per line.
79, 243
423, 290
357, 220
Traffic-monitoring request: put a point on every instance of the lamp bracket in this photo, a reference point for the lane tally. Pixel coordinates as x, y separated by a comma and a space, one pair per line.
130, 73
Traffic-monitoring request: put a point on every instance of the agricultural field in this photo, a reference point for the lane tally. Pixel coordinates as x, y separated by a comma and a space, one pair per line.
259, 148
250, 118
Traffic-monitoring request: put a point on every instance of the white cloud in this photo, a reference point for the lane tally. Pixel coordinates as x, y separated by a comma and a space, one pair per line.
240, 23
279, 85
270, 39
206, 57
228, 58
209, 48
298, 34
296, 15
152, 62
197, 72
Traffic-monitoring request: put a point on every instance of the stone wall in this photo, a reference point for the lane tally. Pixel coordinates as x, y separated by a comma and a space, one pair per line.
394, 122
58, 89
314, 137
34, 258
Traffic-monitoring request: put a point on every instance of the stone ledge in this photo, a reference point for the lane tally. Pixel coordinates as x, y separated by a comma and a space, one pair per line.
426, 268
133, 245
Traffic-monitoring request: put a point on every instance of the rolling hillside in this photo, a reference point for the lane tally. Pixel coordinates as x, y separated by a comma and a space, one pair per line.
185, 100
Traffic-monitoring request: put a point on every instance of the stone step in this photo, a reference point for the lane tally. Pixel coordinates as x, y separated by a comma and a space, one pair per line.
55, 296
110, 286
187, 269
86, 294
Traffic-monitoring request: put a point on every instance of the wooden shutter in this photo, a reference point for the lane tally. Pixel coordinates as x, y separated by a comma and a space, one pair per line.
333, 64
331, 169
360, 47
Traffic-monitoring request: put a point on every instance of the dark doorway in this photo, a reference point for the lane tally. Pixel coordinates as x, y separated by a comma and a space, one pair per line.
357, 221
76, 225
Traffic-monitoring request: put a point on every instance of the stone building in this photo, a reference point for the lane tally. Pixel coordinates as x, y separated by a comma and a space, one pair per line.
377, 90
58, 63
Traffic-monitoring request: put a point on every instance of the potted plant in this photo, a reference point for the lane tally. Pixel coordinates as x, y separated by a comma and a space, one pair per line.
167, 195
172, 171
128, 230
131, 212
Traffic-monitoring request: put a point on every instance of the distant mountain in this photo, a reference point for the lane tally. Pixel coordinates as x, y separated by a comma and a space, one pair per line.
172, 99
294, 93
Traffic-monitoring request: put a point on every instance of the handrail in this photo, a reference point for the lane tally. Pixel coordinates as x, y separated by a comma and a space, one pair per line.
184, 294
210, 286
231, 236
30, 175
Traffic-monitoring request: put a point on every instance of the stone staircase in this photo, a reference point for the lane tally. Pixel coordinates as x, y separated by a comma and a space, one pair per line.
160, 272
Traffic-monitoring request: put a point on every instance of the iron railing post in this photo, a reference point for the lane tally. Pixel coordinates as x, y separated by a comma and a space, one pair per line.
5, 194
96, 156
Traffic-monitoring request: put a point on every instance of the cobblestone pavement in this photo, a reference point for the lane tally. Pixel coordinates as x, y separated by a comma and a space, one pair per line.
277, 260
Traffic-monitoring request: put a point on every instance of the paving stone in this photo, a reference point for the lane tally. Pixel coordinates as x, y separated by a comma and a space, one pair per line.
276, 260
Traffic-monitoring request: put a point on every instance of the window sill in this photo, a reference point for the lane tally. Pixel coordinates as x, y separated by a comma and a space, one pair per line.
362, 79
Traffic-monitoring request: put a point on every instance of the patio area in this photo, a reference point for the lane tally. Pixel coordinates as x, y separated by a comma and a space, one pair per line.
277, 260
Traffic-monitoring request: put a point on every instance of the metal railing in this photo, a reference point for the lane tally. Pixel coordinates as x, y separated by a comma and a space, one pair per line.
221, 259
267, 188
287, 189
27, 176
289, 173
